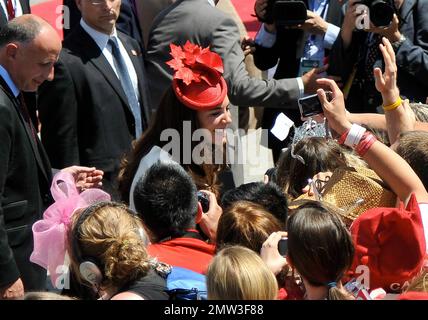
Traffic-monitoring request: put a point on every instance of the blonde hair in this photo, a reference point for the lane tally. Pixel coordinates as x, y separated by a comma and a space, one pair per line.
238, 273
111, 236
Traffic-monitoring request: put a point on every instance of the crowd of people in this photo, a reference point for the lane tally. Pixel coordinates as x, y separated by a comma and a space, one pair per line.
114, 168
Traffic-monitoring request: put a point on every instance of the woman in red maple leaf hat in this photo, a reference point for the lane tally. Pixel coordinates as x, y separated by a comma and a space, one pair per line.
189, 126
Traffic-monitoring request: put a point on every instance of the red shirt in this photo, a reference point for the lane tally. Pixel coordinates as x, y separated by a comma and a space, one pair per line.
189, 253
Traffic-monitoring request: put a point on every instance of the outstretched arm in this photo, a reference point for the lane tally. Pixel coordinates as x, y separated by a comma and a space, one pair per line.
397, 119
386, 163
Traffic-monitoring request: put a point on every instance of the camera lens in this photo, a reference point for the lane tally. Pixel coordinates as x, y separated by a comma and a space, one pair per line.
381, 13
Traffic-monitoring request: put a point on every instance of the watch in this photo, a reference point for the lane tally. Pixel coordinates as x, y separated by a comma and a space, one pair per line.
398, 43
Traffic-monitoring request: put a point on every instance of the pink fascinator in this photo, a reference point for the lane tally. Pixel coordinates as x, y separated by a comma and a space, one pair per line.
197, 82
50, 233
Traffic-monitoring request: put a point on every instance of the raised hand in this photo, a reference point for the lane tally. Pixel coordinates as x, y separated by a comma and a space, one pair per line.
386, 83
314, 24
310, 78
270, 254
209, 219
85, 177
334, 110
260, 8
392, 32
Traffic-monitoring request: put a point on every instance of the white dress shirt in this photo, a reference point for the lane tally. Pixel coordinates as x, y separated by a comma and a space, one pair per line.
6, 77
101, 39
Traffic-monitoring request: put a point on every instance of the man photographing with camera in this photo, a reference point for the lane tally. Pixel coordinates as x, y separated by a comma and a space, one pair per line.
356, 52
297, 35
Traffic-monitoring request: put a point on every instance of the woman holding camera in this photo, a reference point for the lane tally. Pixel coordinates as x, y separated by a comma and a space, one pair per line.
320, 250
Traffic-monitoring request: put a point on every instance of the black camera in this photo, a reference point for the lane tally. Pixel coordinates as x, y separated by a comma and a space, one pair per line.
283, 246
381, 11
311, 105
204, 200
285, 12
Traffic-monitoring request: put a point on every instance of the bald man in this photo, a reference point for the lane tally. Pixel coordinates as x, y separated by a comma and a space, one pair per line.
29, 48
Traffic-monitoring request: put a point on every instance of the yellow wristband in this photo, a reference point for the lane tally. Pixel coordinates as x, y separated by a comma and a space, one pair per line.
393, 106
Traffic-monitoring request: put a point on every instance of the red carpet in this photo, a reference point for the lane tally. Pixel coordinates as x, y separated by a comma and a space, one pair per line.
47, 10
245, 8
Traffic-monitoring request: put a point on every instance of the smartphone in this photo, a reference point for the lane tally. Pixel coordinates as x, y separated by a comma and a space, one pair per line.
311, 105
204, 200
283, 246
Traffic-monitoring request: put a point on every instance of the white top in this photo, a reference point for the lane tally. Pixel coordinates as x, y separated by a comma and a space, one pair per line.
156, 154
101, 39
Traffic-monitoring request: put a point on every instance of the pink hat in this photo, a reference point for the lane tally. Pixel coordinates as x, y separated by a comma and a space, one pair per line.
50, 233
198, 82
391, 242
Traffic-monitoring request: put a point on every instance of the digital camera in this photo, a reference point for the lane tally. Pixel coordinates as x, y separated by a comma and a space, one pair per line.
381, 11
311, 105
283, 246
285, 12
204, 200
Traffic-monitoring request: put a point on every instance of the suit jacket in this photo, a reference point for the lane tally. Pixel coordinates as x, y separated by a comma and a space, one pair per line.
25, 177
147, 10
85, 116
25, 4
127, 21
411, 59
202, 24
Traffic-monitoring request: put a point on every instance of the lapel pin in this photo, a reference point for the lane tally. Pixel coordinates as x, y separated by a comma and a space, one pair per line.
134, 53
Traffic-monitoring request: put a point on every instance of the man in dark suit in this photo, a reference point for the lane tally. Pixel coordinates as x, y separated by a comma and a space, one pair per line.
356, 53
24, 171
99, 93
29, 47
127, 22
293, 48
199, 22
10, 9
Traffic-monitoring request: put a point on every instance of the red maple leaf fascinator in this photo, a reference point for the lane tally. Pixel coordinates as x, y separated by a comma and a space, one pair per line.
198, 82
